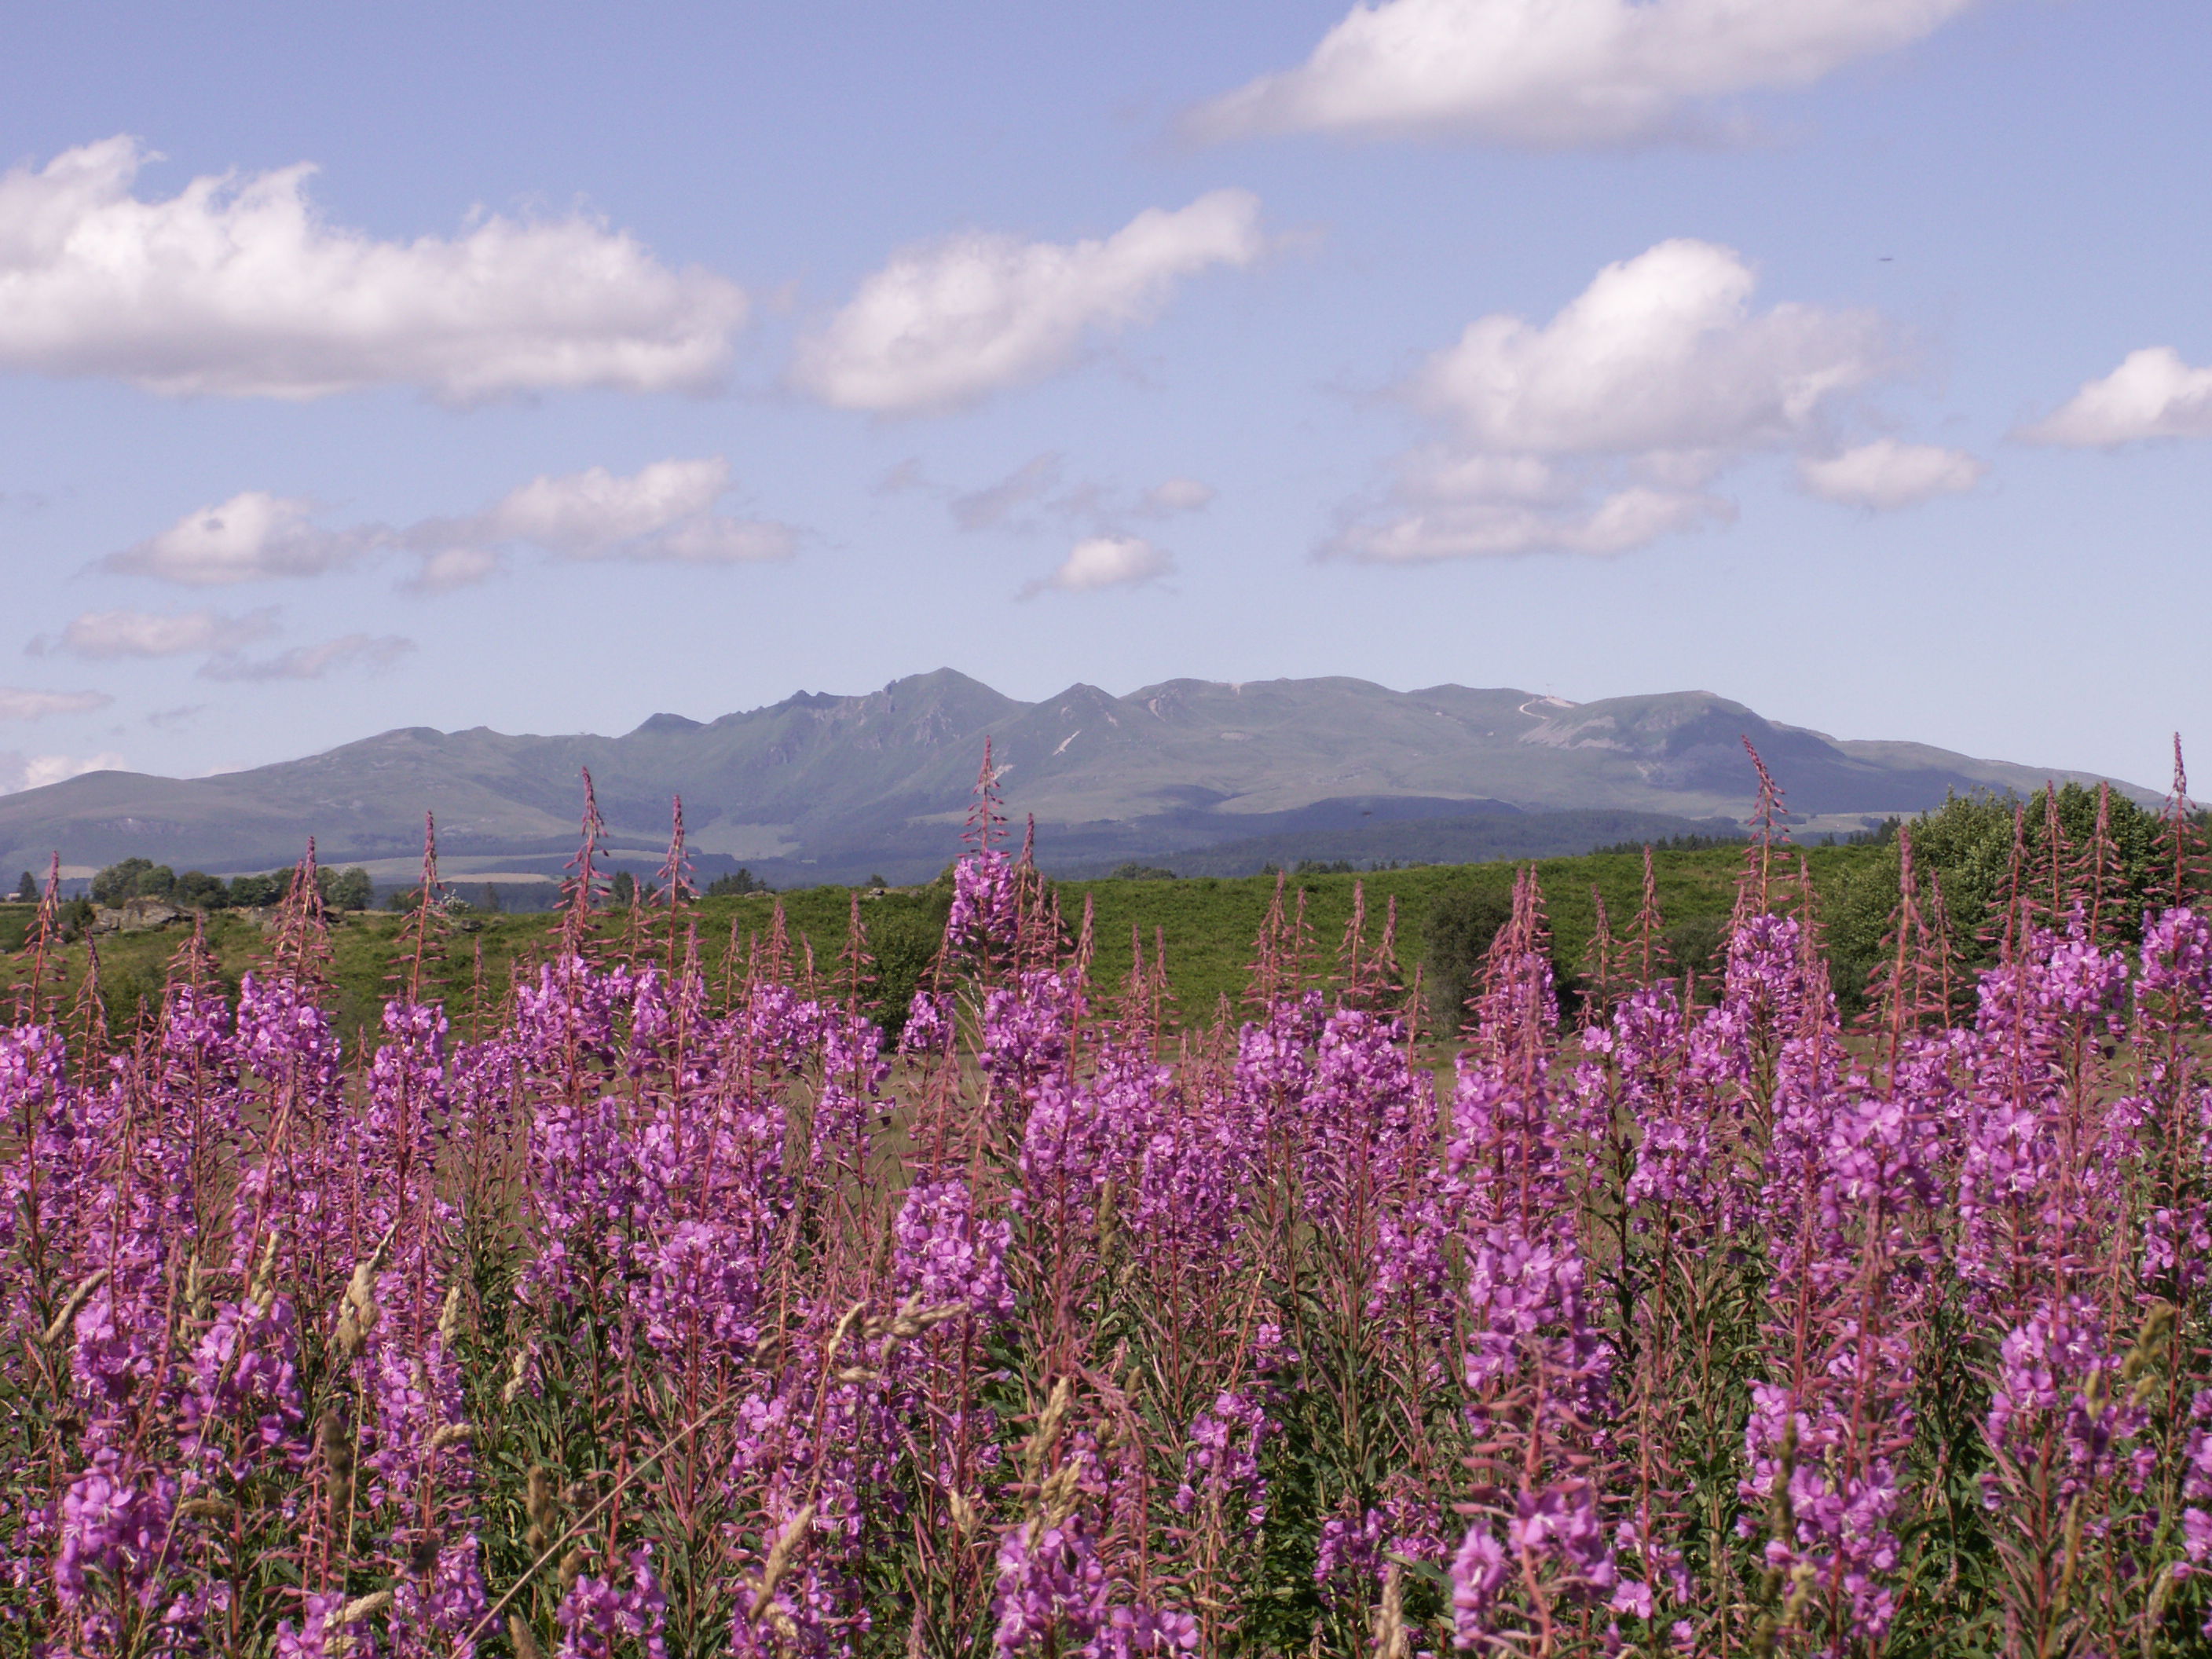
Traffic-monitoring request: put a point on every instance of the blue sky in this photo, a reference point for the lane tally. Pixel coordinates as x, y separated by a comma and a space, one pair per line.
1852, 358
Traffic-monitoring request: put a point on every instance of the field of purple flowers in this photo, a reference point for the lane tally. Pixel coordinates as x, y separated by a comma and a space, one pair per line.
670, 1317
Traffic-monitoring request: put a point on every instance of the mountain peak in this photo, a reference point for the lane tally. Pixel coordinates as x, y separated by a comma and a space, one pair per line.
819, 785
659, 726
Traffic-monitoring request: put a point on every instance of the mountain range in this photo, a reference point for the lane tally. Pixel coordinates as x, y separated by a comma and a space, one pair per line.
820, 787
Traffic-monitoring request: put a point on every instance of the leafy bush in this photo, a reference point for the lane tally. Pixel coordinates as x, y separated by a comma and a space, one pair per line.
132, 877
252, 892
1460, 929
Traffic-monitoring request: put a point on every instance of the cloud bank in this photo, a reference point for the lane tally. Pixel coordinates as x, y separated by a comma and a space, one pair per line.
947, 324
1600, 430
1559, 73
235, 287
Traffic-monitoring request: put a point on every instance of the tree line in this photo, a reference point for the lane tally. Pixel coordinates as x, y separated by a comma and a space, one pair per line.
195, 889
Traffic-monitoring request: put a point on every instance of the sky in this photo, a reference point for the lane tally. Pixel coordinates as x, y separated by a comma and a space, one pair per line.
546, 367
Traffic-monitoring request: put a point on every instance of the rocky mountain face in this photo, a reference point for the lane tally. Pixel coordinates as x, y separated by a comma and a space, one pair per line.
821, 788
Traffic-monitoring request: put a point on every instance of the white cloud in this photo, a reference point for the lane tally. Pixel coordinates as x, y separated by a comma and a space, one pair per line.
251, 536
109, 634
947, 324
664, 512
1616, 523
235, 287
1600, 430
311, 662
1660, 353
19, 771
448, 568
1178, 495
1885, 475
1557, 73
2153, 394
1105, 561
17, 704
584, 514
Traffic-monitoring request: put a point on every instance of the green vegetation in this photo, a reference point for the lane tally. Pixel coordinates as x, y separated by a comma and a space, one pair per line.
1964, 851
1445, 915
195, 889
1460, 929
1696, 841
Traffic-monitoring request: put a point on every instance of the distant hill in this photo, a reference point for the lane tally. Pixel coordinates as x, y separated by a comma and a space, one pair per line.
826, 789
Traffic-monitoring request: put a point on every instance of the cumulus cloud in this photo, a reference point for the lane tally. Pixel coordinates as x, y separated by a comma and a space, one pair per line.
311, 662
1602, 429
586, 514
251, 536
1662, 352
235, 287
1559, 73
17, 704
105, 634
661, 512
19, 771
2153, 394
1105, 561
1885, 475
947, 324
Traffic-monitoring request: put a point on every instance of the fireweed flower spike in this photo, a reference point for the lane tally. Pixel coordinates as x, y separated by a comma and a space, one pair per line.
654, 1306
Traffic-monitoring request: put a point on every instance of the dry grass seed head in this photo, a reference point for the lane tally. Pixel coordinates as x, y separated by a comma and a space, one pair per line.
72, 1305
449, 1315
780, 1558
1046, 1436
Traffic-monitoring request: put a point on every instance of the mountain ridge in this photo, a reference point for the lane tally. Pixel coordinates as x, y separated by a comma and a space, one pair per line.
836, 787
